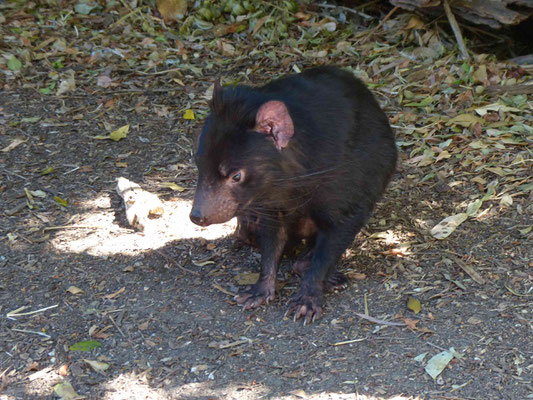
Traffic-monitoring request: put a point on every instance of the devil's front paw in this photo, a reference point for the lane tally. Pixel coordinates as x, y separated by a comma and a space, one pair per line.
260, 293
335, 281
307, 303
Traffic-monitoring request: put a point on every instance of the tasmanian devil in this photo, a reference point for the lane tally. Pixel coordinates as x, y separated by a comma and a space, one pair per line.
306, 156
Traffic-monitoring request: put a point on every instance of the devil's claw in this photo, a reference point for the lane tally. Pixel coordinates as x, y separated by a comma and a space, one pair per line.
306, 305
260, 293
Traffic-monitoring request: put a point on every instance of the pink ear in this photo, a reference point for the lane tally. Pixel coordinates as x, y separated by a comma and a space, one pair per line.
273, 119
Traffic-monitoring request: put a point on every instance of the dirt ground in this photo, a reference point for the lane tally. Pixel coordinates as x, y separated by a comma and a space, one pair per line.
169, 332
159, 304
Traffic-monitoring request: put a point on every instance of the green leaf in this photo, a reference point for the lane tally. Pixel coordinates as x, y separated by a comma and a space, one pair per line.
86, 345
414, 305
60, 201
14, 64
47, 171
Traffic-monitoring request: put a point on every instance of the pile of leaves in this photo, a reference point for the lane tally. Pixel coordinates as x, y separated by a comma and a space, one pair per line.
464, 124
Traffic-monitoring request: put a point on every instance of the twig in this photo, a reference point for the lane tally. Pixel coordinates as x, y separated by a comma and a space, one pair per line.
15, 313
216, 286
518, 294
436, 346
171, 261
116, 326
33, 332
468, 269
379, 321
54, 228
347, 9
456, 30
348, 342
380, 24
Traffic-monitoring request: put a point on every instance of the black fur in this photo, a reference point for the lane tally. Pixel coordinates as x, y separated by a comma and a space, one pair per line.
323, 185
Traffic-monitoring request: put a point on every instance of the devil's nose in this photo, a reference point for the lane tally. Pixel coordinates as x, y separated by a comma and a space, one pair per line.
198, 218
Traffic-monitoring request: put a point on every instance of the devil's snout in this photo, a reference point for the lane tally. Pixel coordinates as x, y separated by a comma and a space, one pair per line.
198, 218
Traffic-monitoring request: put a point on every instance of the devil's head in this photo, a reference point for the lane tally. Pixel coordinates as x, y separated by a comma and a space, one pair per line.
238, 152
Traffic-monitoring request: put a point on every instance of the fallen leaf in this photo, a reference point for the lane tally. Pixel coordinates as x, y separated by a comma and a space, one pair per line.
63, 370
506, 200
84, 7
473, 207
415, 23
74, 290
445, 227
247, 278
480, 75
67, 84
120, 133
202, 263
113, 295
258, 24
47, 171
60, 201
172, 186
85, 345
104, 81
116, 135
414, 305
299, 393
358, 276
474, 320
14, 64
496, 107
13, 144
66, 392
411, 323
144, 325
465, 120
198, 368
189, 114
172, 9
38, 193
437, 363
98, 366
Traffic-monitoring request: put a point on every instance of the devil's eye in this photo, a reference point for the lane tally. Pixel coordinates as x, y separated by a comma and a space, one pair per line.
236, 177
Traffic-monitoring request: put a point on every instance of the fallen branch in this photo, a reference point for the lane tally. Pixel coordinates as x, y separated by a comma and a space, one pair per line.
456, 30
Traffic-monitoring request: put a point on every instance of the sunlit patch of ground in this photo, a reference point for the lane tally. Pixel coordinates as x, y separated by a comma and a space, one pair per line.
137, 386
98, 231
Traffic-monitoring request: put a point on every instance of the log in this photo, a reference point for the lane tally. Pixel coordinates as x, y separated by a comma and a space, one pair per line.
494, 13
